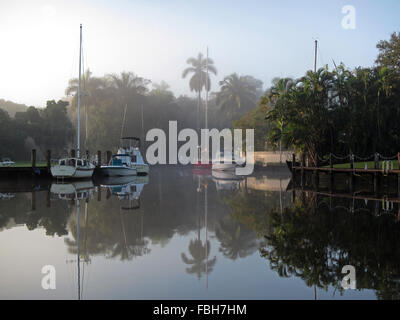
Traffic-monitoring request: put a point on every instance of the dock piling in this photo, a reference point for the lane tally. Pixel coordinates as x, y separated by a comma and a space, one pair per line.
98, 159
48, 159
303, 164
376, 176
33, 158
108, 157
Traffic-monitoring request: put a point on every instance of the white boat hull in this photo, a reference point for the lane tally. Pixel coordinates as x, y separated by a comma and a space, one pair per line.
114, 171
71, 172
224, 166
69, 188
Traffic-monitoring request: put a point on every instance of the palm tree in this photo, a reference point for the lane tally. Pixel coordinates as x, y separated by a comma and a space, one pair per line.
129, 88
91, 93
236, 92
280, 87
199, 79
128, 85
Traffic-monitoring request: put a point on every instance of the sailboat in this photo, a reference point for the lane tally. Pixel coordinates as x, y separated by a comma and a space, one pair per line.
75, 167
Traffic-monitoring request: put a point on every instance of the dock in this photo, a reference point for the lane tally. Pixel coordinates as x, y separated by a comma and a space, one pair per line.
383, 174
43, 171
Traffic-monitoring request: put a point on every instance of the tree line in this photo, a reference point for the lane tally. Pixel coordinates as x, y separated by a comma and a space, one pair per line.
126, 104
341, 111
42, 129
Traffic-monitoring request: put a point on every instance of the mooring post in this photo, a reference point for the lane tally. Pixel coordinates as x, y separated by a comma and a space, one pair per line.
376, 176
293, 166
317, 173
73, 153
352, 175
303, 162
33, 158
108, 156
48, 159
398, 187
398, 160
331, 176
98, 158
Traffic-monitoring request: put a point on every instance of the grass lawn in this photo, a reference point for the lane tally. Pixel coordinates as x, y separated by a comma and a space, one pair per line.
28, 164
361, 165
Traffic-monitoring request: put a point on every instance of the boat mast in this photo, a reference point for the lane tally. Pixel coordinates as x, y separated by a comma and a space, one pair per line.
78, 243
315, 55
79, 95
207, 90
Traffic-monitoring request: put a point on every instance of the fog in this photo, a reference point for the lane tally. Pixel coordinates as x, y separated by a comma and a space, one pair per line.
265, 39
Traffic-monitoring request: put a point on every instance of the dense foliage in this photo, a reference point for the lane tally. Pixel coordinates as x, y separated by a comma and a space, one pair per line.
42, 129
341, 111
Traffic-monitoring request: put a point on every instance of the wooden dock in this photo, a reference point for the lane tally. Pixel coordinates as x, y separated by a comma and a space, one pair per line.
304, 175
43, 171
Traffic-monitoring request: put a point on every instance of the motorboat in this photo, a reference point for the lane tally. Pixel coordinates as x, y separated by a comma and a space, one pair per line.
126, 189
225, 162
119, 166
127, 161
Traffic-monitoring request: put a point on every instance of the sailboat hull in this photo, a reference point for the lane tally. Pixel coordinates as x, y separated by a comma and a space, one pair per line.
71, 172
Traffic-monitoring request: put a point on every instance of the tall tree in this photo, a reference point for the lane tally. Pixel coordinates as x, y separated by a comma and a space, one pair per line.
237, 95
199, 80
92, 92
389, 52
275, 97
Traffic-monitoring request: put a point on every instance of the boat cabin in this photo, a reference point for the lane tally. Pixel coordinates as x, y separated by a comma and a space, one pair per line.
73, 162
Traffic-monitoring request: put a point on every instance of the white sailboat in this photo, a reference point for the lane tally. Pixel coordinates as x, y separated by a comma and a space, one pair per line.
75, 167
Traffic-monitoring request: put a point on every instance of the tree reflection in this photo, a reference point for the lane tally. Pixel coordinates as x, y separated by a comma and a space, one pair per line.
199, 263
313, 242
19, 211
236, 241
113, 234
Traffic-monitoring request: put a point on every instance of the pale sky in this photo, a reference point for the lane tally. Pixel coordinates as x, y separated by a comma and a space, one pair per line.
40, 39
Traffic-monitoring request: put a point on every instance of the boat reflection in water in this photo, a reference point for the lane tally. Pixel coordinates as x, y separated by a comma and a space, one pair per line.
126, 188
77, 190
226, 180
7, 196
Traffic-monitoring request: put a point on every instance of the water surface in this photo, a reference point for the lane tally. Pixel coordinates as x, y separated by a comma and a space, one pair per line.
182, 234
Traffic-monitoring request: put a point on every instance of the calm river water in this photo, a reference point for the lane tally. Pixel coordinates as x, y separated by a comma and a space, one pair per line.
182, 234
